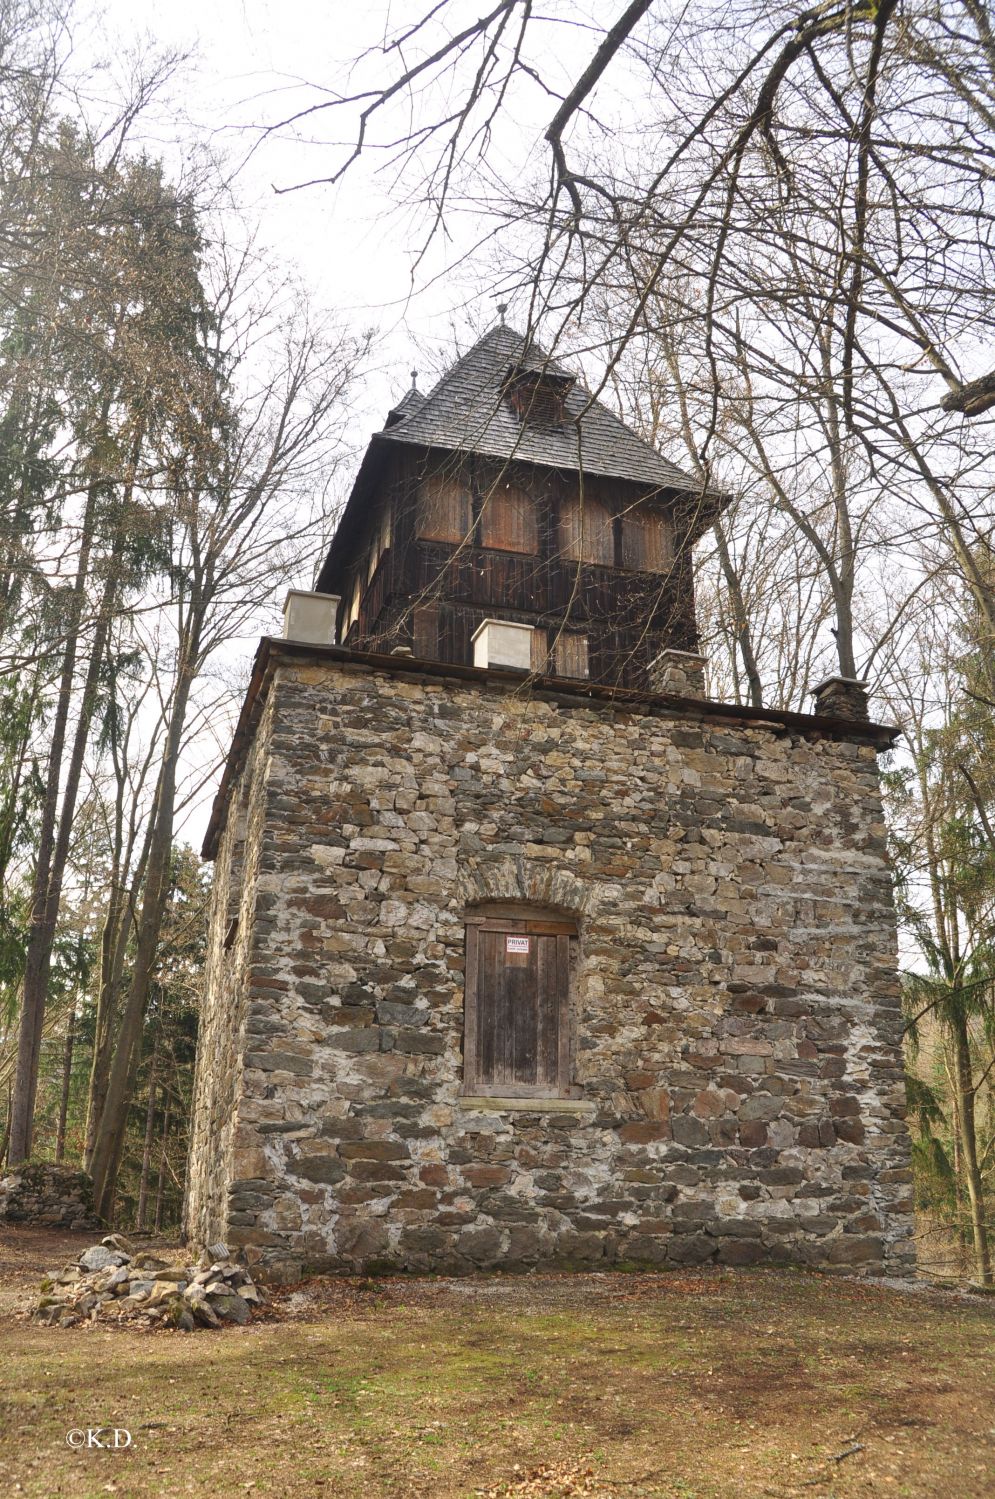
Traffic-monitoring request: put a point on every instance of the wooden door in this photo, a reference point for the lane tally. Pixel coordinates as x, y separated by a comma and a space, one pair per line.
517, 1041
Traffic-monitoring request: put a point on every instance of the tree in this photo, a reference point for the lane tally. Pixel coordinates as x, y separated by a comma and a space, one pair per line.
238, 475
169, 417
136, 317
819, 177
946, 862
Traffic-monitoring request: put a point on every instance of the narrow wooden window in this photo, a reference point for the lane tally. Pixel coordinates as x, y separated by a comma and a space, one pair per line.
444, 510
425, 628
540, 651
380, 544
508, 520
353, 611
570, 656
646, 541
517, 1038
586, 532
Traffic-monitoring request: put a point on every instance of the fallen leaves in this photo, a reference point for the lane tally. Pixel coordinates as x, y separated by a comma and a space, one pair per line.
551, 1481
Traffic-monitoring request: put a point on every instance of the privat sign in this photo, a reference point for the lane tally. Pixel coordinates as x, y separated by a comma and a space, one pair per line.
516, 944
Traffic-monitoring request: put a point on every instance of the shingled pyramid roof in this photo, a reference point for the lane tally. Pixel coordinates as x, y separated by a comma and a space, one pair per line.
467, 412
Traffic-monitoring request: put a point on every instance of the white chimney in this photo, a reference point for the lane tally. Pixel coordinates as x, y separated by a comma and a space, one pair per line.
501, 642
310, 617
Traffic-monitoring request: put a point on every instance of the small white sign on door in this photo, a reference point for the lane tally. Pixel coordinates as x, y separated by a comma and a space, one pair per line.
517, 944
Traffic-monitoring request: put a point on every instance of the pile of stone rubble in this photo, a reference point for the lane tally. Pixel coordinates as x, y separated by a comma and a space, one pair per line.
114, 1281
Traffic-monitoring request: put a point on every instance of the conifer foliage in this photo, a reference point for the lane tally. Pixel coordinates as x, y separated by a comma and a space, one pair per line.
170, 413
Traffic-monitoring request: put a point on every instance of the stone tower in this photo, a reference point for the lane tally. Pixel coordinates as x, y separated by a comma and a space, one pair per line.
522, 949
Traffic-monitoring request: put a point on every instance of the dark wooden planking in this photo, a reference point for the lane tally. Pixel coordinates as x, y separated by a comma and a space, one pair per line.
563, 1010
425, 631
521, 1016
508, 986
444, 508
585, 531
571, 656
494, 1010
627, 614
647, 541
471, 1033
489, 1059
551, 1002
509, 520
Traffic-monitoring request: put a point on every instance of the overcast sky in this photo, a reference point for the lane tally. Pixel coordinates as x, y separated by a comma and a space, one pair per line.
255, 61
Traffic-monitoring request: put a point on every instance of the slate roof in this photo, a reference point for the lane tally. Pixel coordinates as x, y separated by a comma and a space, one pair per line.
466, 412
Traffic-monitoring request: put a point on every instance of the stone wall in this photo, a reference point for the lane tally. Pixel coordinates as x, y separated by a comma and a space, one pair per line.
221, 1039
735, 1005
43, 1194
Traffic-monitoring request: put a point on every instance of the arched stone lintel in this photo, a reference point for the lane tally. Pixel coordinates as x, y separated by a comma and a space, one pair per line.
531, 882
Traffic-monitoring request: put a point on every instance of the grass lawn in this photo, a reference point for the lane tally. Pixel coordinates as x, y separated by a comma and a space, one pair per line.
713, 1383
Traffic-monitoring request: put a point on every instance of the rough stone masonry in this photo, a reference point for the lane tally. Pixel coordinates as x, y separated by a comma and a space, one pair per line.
734, 1008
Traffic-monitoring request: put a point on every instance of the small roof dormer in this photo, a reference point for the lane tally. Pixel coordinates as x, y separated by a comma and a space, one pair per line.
538, 396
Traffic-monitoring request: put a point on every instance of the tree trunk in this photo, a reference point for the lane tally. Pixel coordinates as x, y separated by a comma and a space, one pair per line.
960, 1216
38, 961
114, 935
113, 950
131, 1083
741, 623
969, 1143
112, 946
54, 835
113, 1120
42, 922
67, 1071
6, 1125
53, 846
143, 1188
842, 575
161, 1187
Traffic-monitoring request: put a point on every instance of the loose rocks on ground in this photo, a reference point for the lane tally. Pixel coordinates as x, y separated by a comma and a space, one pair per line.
113, 1280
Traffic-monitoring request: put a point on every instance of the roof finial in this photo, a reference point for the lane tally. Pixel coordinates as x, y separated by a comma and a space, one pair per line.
502, 309
414, 379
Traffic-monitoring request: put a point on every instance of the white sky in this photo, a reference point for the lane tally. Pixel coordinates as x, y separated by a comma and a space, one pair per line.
255, 60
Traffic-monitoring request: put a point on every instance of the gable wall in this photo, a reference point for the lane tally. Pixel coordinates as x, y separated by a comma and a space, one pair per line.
735, 1005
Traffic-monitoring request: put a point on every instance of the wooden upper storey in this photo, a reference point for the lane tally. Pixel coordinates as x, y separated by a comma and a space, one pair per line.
437, 538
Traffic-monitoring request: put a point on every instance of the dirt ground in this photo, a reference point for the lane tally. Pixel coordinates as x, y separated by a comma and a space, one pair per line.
678, 1386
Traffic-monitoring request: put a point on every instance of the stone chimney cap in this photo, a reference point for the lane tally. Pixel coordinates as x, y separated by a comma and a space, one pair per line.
679, 672
842, 697
846, 681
